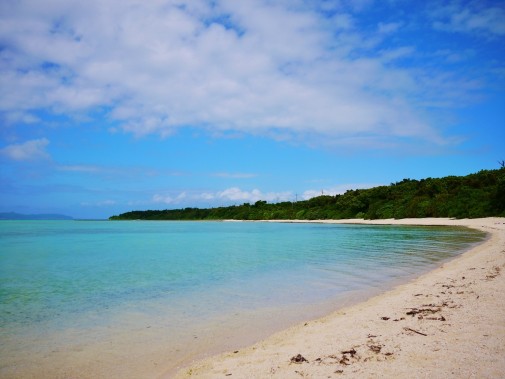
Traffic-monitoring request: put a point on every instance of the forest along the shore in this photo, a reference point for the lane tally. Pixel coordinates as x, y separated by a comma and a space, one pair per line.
476, 195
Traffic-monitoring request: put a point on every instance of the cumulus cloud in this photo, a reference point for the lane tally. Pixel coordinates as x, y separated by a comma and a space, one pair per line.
281, 69
166, 199
27, 151
260, 67
236, 195
229, 195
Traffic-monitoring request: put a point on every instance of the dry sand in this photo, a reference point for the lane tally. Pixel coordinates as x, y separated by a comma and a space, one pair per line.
449, 323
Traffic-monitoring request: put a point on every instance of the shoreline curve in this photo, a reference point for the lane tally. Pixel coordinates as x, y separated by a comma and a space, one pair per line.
449, 322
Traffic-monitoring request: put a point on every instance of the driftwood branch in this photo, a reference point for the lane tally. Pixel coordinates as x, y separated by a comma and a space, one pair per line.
415, 331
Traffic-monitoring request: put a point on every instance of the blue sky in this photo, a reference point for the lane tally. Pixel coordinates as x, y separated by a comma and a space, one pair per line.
108, 106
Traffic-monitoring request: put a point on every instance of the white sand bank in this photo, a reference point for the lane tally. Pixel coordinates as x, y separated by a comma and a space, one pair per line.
449, 323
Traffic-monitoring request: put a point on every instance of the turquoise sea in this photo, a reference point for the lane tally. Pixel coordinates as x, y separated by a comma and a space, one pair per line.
138, 298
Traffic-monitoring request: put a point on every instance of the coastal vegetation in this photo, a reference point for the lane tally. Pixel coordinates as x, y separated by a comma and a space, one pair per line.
481, 194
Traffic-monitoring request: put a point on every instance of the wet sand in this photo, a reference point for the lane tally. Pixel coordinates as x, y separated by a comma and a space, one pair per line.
449, 323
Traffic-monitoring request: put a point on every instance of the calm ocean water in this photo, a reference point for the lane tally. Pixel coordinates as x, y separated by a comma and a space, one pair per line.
80, 283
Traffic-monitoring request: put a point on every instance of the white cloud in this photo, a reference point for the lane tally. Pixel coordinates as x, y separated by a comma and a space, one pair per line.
387, 28
259, 67
166, 199
343, 21
20, 117
157, 198
229, 195
239, 196
206, 196
470, 17
27, 151
398, 53
336, 190
236, 194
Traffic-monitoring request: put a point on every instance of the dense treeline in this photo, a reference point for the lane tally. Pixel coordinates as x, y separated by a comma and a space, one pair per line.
475, 195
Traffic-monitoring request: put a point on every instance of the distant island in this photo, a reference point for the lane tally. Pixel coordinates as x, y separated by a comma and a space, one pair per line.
18, 216
473, 196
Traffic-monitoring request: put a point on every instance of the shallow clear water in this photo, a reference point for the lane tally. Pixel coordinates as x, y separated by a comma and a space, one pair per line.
91, 276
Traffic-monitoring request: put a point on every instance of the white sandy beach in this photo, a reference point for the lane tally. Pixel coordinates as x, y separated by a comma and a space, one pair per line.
448, 323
